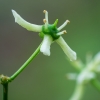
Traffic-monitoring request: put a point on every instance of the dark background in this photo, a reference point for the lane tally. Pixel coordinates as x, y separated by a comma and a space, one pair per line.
45, 77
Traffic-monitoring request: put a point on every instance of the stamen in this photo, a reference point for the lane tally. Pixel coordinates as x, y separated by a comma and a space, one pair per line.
46, 15
45, 22
63, 25
63, 32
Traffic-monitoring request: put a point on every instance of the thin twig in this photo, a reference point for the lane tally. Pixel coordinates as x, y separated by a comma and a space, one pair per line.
25, 64
5, 91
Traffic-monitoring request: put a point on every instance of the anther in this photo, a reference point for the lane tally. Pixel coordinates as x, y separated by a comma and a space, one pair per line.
44, 11
67, 21
44, 20
64, 31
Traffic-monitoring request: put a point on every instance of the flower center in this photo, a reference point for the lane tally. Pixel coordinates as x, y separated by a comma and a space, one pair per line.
50, 29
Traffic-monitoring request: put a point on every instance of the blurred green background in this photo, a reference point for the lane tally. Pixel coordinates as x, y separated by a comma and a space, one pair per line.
45, 77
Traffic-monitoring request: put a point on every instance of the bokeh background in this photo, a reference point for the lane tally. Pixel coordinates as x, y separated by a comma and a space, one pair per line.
45, 77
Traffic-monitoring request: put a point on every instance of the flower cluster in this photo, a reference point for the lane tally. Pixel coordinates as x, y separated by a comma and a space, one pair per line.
87, 74
49, 33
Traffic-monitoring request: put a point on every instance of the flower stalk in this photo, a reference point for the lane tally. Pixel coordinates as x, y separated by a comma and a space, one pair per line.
5, 91
25, 64
78, 93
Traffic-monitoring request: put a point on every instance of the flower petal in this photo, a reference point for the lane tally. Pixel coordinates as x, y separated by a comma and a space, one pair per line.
68, 51
45, 47
25, 24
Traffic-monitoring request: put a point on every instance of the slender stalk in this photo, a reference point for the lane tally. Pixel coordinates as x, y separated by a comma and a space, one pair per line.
25, 64
77, 95
5, 91
96, 84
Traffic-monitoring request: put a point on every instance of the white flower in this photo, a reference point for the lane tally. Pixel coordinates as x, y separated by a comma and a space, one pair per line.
49, 32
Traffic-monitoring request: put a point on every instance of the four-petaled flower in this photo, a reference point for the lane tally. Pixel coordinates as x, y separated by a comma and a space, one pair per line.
49, 33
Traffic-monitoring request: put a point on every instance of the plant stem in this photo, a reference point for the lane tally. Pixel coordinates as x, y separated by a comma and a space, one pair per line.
5, 91
37, 51
77, 95
96, 84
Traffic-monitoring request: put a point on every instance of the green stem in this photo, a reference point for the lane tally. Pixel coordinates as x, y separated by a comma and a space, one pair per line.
5, 91
37, 51
96, 84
